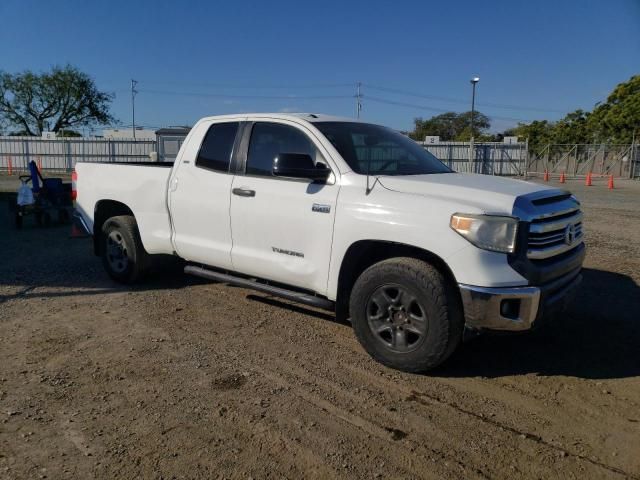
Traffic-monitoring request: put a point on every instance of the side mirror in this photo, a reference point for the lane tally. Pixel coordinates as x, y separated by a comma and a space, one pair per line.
298, 165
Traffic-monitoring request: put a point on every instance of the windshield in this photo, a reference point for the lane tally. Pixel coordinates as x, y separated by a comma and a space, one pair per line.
379, 150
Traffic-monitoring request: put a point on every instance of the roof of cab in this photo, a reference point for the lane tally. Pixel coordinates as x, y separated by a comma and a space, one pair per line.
309, 117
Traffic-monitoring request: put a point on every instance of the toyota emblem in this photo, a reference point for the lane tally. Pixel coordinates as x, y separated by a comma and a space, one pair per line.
569, 234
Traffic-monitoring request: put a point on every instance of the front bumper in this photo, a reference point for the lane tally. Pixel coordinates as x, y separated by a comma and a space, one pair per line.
517, 308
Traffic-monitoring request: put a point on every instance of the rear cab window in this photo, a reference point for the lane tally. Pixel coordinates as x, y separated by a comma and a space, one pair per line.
217, 147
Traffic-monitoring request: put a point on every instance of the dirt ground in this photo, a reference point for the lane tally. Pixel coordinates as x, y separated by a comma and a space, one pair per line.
180, 378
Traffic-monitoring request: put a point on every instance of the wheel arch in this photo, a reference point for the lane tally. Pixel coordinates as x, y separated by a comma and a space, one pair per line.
105, 209
363, 253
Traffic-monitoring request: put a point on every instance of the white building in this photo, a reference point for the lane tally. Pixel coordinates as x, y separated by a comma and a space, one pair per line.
122, 133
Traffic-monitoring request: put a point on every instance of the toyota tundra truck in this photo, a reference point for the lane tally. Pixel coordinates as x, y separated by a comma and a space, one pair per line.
346, 216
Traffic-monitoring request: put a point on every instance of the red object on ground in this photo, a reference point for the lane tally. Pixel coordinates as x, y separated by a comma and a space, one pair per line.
587, 182
562, 178
546, 176
76, 232
610, 185
74, 181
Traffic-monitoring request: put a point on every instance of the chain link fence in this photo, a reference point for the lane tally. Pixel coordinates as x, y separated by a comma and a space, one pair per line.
515, 159
61, 155
577, 160
489, 158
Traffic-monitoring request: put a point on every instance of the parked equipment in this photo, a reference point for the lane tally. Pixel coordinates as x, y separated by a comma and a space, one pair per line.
47, 199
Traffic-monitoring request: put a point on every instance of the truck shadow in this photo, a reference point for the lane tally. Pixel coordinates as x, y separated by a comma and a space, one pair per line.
597, 338
301, 309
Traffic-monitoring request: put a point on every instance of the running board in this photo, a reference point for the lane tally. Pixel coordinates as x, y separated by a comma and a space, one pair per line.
292, 295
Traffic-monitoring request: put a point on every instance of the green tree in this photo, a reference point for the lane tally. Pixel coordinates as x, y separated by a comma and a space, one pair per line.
451, 126
618, 118
573, 128
613, 121
58, 100
538, 133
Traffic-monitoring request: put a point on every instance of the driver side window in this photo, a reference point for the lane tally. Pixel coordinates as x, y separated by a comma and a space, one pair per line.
270, 139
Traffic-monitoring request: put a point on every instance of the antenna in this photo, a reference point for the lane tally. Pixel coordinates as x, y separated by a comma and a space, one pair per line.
133, 106
358, 99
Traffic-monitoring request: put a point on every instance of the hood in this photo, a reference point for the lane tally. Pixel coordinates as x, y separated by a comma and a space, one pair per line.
485, 192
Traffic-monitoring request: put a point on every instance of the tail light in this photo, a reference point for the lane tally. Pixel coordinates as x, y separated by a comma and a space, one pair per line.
74, 188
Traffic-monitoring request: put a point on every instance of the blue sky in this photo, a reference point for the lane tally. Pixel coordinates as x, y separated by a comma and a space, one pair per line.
541, 59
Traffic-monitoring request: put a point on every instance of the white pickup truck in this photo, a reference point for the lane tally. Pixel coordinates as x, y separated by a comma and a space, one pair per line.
348, 216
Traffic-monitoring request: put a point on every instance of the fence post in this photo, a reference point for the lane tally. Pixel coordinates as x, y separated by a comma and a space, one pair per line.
546, 157
25, 148
632, 156
575, 157
526, 158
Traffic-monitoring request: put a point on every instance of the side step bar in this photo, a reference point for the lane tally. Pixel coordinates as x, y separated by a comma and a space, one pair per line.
292, 295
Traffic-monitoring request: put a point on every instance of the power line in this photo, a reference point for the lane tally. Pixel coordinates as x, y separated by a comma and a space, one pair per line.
258, 97
358, 97
379, 88
253, 86
458, 100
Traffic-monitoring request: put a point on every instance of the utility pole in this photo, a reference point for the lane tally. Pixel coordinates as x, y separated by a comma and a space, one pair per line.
358, 99
133, 106
474, 80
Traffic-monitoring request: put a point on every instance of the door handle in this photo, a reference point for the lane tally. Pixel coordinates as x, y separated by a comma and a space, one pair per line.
244, 192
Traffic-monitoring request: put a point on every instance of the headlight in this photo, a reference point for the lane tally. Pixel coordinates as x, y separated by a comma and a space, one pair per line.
488, 232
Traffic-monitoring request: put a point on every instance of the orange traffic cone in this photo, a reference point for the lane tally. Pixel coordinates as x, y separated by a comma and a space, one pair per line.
10, 166
562, 179
76, 232
546, 176
610, 185
39, 164
588, 180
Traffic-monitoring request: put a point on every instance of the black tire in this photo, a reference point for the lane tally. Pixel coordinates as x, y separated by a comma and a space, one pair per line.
121, 249
422, 325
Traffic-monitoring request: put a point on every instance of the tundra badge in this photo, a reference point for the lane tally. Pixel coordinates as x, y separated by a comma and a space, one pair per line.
319, 207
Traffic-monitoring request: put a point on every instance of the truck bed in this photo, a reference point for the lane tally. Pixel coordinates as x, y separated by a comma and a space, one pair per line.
141, 186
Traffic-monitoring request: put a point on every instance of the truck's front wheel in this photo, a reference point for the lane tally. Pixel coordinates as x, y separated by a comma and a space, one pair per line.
405, 315
123, 255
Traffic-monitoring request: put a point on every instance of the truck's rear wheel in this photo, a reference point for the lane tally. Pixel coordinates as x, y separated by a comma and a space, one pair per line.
123, 255
405, 316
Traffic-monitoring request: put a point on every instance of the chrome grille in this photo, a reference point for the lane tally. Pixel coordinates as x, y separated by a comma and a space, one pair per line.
554, 232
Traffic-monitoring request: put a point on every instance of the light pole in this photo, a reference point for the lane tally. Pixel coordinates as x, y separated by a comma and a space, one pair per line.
473, 81
133, 106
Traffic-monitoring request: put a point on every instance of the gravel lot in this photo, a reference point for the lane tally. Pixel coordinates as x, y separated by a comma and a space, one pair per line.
179, 378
